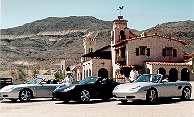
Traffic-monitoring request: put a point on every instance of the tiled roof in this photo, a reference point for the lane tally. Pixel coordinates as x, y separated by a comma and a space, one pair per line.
184, 42
166, 63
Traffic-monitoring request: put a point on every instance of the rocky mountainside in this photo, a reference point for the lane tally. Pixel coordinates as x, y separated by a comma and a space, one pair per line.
53, 39
180, 30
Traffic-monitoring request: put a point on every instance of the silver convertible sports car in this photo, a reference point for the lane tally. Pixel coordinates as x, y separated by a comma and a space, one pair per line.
151, 87
32, 89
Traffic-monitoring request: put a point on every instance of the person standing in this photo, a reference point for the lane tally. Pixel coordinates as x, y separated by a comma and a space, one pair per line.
133, 74
68, 79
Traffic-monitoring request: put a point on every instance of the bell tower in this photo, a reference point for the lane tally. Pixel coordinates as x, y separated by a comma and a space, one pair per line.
120, 30
89, 43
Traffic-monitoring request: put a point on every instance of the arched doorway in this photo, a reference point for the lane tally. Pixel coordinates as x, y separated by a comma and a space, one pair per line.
162, 71
147, 71
185, 74
173, 75
103, 73
126, 71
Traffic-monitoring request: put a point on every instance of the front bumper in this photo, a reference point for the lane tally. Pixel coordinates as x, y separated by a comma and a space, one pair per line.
9, 95
129, 95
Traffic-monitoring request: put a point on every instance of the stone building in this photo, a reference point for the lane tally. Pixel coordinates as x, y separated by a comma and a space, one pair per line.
150, 53
94, 62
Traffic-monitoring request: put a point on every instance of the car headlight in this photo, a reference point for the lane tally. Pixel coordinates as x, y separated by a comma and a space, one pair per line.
116, 88
8, 88
69, 88
137, 87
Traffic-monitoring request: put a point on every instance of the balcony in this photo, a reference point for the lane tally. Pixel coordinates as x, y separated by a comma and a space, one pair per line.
121, 60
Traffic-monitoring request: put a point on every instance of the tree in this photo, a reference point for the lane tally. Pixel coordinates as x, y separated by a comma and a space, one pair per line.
35, 70
22, 75
59, 75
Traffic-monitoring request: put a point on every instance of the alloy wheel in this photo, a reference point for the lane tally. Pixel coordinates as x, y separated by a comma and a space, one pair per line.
85, 96
25, 95
186, 93
152, 96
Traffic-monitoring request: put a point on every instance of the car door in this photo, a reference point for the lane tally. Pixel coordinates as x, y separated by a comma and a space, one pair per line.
168, 89
45, 90
104, 88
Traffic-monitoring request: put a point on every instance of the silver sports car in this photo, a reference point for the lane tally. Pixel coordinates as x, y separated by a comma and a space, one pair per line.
32, 89
151, 87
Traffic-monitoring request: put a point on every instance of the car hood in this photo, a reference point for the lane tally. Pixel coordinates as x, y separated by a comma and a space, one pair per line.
6, 88
132, 86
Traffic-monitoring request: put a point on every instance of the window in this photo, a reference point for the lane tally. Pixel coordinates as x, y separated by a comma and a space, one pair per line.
148, 51
174, 53
143, 50
164, 52
123, 52
122, 35
169, 51
137, 51
90, 50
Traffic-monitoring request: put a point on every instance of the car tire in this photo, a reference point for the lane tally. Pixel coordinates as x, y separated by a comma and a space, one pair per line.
123, 101
25, 95
84, 96
186, 93
151, 96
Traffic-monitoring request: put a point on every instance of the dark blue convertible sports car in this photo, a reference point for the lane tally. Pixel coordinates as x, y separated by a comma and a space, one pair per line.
89, 88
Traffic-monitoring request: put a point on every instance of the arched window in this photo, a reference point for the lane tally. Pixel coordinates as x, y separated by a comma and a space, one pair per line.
173, 75
103, 73
162, 71
86, 73
185, 74
122, 35
90, 73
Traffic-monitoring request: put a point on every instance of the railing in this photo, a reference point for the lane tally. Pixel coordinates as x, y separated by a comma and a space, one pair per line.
5, 82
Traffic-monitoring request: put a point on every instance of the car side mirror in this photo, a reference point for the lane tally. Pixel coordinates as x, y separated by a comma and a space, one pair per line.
42, 83
164, 81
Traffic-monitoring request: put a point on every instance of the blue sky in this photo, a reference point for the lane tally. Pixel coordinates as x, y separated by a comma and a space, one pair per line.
141, 14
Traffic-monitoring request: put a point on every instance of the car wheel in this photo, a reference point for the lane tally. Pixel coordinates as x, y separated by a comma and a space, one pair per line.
85, 96
25, 95
152, 96
123, 101
186, 94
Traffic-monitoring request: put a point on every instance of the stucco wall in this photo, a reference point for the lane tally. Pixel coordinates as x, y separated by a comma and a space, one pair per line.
156, 45
154, 69
95, 65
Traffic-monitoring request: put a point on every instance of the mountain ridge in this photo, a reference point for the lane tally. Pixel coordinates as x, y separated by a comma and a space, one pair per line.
50, 40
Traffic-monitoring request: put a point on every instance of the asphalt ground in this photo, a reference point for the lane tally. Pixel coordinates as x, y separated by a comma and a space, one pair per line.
97, 108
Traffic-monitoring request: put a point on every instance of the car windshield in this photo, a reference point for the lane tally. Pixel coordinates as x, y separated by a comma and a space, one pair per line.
154, 78
34, 81
89, 80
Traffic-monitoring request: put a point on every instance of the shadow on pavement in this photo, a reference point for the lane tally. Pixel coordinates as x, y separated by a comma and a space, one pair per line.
160, 102
94, 101
31, 101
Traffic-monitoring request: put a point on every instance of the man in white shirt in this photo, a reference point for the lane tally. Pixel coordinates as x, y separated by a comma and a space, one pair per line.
133, 74
68, 79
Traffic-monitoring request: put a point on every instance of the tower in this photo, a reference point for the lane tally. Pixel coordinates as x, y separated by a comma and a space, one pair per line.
89, 43
120, 30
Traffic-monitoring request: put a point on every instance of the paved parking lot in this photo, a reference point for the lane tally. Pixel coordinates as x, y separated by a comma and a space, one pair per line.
97, 108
